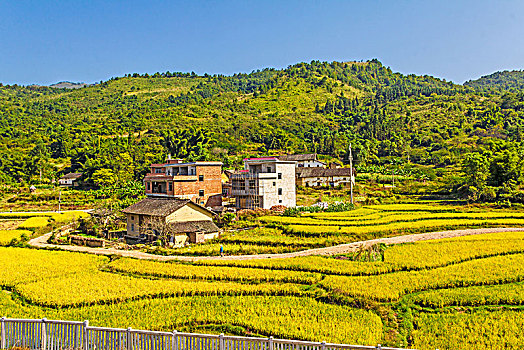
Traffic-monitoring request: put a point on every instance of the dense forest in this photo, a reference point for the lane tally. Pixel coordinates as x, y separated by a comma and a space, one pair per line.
416, 125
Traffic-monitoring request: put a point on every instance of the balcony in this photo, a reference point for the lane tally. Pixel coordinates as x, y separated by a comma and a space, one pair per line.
184, 178
249, 175
163, 176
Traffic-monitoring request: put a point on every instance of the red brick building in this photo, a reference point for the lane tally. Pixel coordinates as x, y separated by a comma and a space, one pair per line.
200, 182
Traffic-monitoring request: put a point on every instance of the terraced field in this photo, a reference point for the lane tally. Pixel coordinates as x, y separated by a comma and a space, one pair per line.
20, 227
454, 293
280, 234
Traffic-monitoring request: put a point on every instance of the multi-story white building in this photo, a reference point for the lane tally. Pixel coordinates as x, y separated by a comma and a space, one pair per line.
263, 183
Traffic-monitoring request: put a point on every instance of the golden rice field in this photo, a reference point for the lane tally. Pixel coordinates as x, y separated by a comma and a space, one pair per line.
23, 226
7, 236
280, 234
454, 293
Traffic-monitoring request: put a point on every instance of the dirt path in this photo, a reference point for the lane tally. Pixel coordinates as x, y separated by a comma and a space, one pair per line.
40, 242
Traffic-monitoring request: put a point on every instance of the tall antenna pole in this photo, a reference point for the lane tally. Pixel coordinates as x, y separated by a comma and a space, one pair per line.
393, 172
351, 172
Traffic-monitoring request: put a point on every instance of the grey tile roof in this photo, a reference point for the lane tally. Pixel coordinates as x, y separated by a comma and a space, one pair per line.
322, 172
156, 206
298, 157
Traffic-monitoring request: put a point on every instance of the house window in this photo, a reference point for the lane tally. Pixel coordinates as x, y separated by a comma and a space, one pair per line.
279, 191
268, 169
201, 193
132, 227
148, 184
274, 183
279, 176
200, 177
158, 171
132, 217
170, 186
280, 200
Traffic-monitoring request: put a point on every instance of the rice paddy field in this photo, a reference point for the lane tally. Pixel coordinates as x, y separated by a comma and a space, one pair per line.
453, 293
281, 234
17, 228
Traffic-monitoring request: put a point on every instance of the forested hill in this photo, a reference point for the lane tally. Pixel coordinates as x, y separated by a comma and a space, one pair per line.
505, 80
120, 126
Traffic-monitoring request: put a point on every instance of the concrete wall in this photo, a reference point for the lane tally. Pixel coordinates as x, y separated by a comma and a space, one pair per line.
324, 181
269, 188
213, 235
189, 213
180, 240
288, 185
133, 225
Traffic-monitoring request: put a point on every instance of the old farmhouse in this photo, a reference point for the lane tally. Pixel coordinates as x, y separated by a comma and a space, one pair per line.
317, 177
70, 180
178, 221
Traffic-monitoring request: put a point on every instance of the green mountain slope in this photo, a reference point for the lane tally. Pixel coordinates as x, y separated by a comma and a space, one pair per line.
505, 80
124, 124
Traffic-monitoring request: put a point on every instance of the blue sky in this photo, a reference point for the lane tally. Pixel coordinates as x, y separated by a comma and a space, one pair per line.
48, 41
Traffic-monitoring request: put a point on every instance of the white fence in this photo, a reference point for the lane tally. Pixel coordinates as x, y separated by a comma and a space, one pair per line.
61, 335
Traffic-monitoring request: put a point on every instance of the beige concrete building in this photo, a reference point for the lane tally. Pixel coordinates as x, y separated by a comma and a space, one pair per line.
183, 220
264, 182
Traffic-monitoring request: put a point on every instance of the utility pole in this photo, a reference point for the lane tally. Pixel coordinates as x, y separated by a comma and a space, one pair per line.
352, 178
59, 199
393, 172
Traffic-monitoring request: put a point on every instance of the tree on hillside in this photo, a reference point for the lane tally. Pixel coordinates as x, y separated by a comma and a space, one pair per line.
506, 169
476, 170
104, 177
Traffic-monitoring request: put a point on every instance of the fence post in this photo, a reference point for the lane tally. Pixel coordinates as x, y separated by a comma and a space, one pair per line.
86, 336
78, 338
221, 344
174, 341
271, 345
129, 342
43, 335
2, 334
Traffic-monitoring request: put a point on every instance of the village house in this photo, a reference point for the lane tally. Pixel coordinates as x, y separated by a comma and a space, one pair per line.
304, 160
200, 182
264, 183
181, 219
317, 177
70, 180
